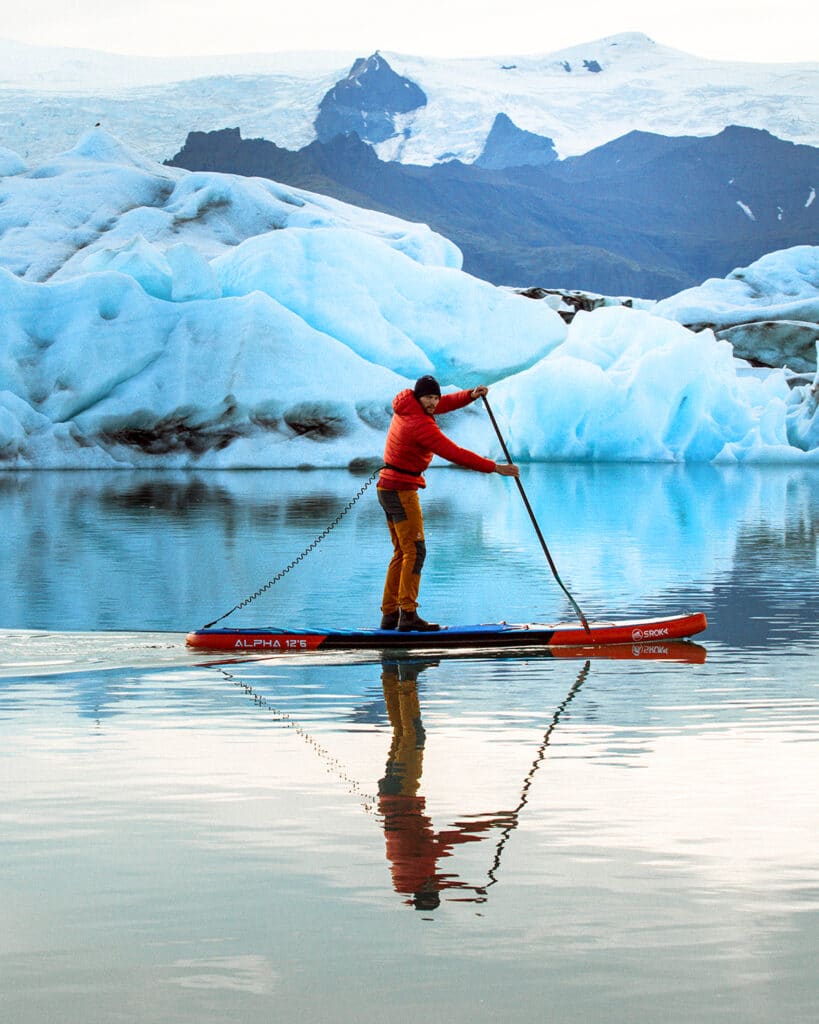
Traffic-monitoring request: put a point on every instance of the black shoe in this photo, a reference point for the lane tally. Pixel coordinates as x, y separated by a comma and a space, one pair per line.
389, 620
412, 622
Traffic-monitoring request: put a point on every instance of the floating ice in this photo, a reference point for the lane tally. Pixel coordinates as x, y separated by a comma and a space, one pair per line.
156, 317
628, 386
780, 286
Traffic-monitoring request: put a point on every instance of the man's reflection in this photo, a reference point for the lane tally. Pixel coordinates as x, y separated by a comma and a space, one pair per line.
414, 848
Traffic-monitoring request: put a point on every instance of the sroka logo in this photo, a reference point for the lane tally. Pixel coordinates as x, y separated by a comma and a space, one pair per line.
649, 634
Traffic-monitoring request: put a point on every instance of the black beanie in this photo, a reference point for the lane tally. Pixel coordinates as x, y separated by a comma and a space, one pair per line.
426, 386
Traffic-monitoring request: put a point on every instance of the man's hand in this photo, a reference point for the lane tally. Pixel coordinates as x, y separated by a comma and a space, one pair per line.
507, 469
479, 391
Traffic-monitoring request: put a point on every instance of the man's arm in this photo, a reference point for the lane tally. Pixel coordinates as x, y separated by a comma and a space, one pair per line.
455, 400
436, 441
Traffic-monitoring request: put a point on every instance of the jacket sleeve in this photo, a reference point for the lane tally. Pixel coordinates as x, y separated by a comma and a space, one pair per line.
437, 442
456, 400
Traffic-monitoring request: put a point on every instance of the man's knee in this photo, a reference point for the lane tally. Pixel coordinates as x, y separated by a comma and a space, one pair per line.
420, 555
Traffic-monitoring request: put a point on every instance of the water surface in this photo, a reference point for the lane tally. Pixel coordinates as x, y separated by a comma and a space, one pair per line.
198, 838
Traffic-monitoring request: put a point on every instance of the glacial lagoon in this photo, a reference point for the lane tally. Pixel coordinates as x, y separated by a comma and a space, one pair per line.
194, 838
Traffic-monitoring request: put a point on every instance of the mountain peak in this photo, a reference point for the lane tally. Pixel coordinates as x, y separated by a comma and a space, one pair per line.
366, 102
635, 40
510, 146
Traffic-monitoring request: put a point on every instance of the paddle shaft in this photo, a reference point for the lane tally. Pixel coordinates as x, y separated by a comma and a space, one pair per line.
540, 536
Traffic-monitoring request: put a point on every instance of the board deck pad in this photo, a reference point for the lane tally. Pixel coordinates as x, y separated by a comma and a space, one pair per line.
554, 637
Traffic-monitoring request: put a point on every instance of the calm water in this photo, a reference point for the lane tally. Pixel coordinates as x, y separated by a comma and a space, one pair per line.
189, 838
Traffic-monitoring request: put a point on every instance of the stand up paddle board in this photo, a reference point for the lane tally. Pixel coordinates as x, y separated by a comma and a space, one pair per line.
554, 637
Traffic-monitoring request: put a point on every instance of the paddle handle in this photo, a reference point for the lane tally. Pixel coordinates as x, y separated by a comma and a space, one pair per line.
529, 509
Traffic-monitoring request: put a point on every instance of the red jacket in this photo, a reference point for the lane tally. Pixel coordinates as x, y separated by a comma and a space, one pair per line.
414, 437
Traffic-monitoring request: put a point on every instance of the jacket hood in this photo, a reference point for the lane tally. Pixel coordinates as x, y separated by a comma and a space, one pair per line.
405, 403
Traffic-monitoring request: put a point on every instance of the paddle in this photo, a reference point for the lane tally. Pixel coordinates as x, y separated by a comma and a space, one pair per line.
540, 537
527, 782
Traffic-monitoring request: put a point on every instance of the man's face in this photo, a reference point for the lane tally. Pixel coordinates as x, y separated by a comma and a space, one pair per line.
429, 402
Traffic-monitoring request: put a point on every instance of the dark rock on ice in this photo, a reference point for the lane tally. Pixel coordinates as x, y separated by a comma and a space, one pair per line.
790, 343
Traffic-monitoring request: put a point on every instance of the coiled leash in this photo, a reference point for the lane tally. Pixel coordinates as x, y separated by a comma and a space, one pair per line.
310, 547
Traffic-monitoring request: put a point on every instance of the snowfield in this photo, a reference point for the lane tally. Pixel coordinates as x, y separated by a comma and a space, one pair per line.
580, 97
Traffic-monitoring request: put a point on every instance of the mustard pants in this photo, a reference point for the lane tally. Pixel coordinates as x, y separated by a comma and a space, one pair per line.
406, 525
406, 757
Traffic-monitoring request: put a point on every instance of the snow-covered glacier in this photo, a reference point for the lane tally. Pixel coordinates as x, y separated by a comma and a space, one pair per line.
155, 317
579, 97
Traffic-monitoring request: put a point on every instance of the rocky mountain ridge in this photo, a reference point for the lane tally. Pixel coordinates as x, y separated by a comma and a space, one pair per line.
644, 215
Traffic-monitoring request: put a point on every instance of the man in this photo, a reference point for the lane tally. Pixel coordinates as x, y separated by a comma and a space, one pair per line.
412, 440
